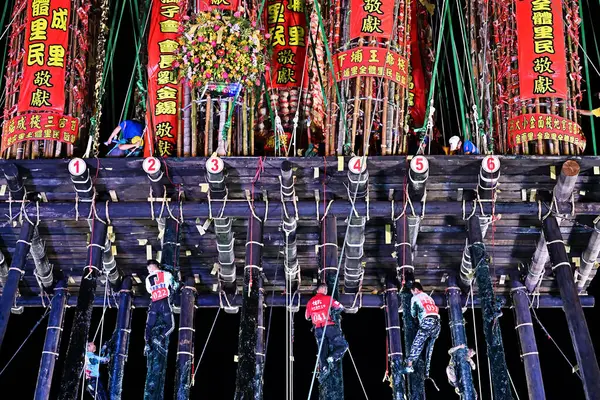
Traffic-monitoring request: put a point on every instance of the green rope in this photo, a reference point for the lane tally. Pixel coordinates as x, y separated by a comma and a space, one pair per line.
140, 83
587, 77
461, 91
435, 68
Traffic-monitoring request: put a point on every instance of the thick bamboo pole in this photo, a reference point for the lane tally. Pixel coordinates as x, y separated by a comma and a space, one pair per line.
52, 341
580, 335
185, 346
122, 340
394, 337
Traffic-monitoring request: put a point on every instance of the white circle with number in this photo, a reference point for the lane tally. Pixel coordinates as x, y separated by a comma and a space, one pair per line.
214, 165
490, 164
357, 165
151, 165
419, 164
77, 167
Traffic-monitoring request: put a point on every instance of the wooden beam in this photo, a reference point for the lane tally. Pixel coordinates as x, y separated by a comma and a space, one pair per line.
123, 333
580, 335
52, 341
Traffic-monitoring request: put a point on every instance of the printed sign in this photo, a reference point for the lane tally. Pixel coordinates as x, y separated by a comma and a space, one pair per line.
27, 127
371, 18
371, 61
529, 127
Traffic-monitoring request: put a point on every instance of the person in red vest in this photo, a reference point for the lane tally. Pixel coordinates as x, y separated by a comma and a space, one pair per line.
423, 308
329, 336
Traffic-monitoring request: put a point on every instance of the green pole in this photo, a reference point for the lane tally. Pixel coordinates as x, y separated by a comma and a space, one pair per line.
461, 102
587, 77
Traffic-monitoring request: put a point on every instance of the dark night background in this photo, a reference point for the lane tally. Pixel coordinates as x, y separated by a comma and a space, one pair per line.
365, 331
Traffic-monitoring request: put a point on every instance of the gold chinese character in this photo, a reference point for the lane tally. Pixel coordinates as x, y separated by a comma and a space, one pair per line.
49, 121
34, 122
42, 78
372, 6
542, 18
168, 46
40, 8
373, 57
296, 5
372, 69
166, 61
389, 59
169, 11
56, 55
286, 56
543, 65
371, 24
167, 77
543, 46
540, 5
285, 75
35, 54
60, 17
38, 29
213, 2
62, 123
169, 26
166, 93
277, 35
275, 13
356, 56
163, 130
21, 124
39, 98
402, 64
297, 34
166, 108
165, 148
543, 32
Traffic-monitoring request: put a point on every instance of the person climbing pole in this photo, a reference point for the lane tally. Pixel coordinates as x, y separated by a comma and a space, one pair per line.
334, 344
451, 369
457, 147
130, 142
423, 308
94, 384
160, 284
591, 113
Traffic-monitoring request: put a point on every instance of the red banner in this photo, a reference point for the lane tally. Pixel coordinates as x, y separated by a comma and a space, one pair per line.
207, 5
39, 127
371, 61
542, 57
417, 96
530, 127
44, 62
371, 18
163, 85
287, 26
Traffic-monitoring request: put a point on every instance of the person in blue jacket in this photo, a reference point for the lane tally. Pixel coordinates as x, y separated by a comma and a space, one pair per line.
130, 142
94, 384
457, 147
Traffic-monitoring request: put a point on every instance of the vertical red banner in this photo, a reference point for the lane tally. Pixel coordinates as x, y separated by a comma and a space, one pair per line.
371, 18
286, 20
163, 86
541, 41
45, 58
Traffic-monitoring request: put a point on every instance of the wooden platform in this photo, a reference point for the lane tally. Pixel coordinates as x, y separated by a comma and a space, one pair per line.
439, 247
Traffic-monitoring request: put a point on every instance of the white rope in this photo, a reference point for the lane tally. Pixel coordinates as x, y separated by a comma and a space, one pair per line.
513, 385
205, 345
476, 339
357, 374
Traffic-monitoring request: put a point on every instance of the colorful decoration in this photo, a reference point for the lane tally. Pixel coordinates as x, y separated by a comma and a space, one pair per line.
46, 43
44, 126
286, 21
222, 48
371, 61
542, 57
209, 5
164, 89
373, 18
530, 127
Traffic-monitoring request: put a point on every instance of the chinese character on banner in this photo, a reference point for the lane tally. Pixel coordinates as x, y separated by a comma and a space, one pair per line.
371, 61
164, 89
46, 43
207, 5
32, 126
541, 49
286, 21
528, 127
371, 18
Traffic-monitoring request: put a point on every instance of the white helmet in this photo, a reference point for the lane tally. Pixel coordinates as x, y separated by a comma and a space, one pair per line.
454, 143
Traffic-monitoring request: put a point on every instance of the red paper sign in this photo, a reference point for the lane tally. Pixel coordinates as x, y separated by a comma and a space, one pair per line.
39, 127
371, 61
371, 18
163, 85
530, 127
44, 61
287, 26
207, 5
542, 57
417, 97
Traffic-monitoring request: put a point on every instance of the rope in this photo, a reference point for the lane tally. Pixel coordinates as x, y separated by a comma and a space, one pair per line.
357, 374
205, 345
476, 339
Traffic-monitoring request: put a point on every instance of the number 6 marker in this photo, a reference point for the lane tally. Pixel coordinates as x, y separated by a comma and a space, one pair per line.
419, 164
356, 165
77, 167
214, 165
151, 165
490, 164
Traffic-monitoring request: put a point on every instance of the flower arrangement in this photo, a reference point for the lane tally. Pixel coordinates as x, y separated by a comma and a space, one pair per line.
215, 47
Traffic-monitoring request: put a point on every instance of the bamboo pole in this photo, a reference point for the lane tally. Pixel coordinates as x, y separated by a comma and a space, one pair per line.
194, 122
207, 127
245, 125
252, 114
122, 339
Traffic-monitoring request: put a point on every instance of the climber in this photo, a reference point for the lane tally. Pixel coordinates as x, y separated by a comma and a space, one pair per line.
451, 369
334, 345
160, 284
423, 307
130, 141
456, 146
92, 372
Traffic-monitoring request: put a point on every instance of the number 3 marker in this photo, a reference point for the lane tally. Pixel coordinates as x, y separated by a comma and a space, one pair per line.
490, 164
214, 165
151, 165
77, 167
